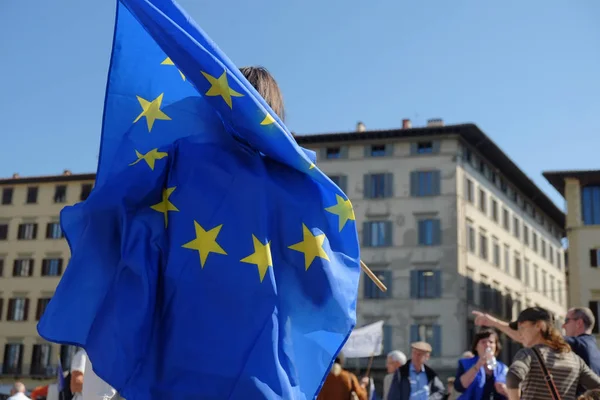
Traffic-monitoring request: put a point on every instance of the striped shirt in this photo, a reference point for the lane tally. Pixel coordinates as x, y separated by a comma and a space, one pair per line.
567, 369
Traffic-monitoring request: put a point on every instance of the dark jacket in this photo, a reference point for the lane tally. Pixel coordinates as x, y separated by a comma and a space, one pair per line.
400, 388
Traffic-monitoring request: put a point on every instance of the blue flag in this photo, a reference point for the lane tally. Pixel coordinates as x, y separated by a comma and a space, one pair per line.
213, 259
60, 376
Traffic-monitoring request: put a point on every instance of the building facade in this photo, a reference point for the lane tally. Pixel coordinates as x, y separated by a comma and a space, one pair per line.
581, 190
450, 224
33, 256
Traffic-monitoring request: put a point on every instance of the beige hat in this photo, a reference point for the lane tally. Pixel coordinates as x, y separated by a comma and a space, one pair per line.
423, 346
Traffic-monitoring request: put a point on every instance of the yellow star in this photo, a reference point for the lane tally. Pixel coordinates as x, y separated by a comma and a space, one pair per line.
312, 165
150, 157
152, 111
261, 257
165, 205
220, 87
205, 242
311, 246
167, 61
268, 120
343, 209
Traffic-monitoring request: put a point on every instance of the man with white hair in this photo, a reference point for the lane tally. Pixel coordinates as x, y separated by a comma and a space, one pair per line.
395, 360
18, 392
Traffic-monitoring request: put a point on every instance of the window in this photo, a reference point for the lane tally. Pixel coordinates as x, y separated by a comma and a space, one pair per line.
13, 359
482, 201
543, 248
485, 294
371, 291
526, 272
18, 309
551, 254
544, 283
590, 205
508, 305
558, 259
1, 274
32, 195
378, 186
41, 360
469, 195
23, 267
494, 210
425, 284
526, 235
430, 333
52, 266
496, 254
506, 219
333, 153
60, 194
534, 241
425, 183
483, 246
376, 150
86, 189
516, 227
559, 292
595, 307
552, 288
3, 231
377, 233
429, 232
53, 231
594, 257
27, 231
425, 147
506, 259
7, 196
497, 298
66, 354
41, 307
340, 180
471, 238
518, 272
536, 279
470, 286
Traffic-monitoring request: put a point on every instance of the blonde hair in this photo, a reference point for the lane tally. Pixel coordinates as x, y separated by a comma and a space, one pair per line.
267, 87
554, 339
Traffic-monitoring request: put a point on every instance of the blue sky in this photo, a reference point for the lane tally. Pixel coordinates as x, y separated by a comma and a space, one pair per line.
526, 72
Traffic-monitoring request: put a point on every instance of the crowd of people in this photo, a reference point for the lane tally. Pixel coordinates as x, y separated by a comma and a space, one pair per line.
549, 366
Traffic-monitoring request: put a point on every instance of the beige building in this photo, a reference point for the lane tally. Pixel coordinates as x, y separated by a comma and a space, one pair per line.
451, 225
445, 218
33, 256
581, 189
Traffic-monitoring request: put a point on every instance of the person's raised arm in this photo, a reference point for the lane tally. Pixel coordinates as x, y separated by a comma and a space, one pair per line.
483, 319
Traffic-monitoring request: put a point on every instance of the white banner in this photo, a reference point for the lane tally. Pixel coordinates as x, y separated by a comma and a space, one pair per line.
365, 341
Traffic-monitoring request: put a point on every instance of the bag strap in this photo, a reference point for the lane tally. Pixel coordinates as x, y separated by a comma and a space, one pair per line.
547, 375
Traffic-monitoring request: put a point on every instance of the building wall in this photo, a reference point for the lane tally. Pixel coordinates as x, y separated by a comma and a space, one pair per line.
584, 279
44, 211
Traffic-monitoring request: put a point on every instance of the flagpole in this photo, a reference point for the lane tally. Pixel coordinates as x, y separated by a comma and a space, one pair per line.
373, 277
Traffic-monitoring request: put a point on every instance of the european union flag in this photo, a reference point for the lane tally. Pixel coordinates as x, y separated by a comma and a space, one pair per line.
212, 260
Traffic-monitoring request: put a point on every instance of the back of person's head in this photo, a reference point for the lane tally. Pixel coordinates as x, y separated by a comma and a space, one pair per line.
340, 359
18, 387
586, 316
590, 395
267, 87
398, 357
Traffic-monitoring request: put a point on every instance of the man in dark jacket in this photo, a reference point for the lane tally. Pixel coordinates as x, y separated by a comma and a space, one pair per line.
415, 380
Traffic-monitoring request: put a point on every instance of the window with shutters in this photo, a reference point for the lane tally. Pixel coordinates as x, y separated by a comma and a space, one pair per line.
52, 266
7, 195
525, 234
32, 195
559, 292
507, 259
508, 304
469, 191
545, 283
379, 150
536, 279
2, 261
370, 289
340, 181
60, 194
496, 254
54, 231
429, 232
425, 147
552, 289
86, 189
41, 307
558, 259
18, 309
543, 248
494, 210
497, 298
505, 219
590, 205
23, 267
377, 234
470, 286
551, 254
388, 338
430, 333
379, 186
483, 246
471, 238
426, 284
534, 241
3, 231
516, 227
485, 294
595, 307
332, 153
482, 201
13, 359
518, 272
66, 354
526, 272
594, 257
425, 183
41, 360
27, 231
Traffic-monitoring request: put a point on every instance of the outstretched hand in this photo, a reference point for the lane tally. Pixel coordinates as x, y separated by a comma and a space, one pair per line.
483, 319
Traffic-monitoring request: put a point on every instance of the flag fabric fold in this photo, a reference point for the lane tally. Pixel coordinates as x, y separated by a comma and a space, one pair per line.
213, 259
